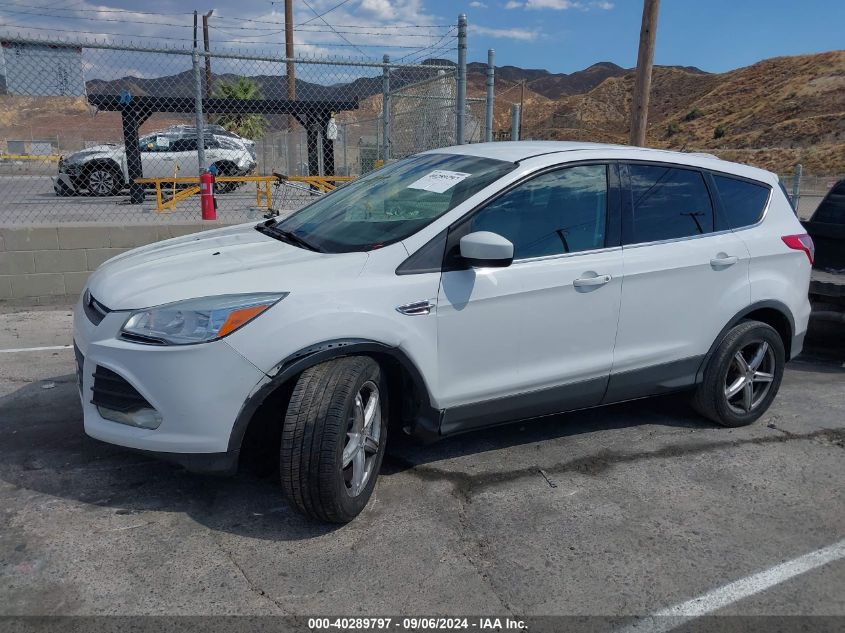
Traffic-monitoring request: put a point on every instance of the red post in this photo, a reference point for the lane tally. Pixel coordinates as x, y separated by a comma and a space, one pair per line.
208, 203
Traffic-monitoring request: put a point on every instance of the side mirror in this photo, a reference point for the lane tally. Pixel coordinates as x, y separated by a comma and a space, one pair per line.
483, 249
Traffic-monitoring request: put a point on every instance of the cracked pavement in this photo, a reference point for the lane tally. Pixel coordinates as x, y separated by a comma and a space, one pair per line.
614, 511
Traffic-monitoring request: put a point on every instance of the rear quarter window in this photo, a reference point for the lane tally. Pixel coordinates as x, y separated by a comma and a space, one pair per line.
743, 202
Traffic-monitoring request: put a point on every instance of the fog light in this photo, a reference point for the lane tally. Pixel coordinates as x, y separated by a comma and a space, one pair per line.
142, 418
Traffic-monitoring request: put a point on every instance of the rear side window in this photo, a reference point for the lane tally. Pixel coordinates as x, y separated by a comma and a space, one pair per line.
667, 203
743, 202
184, 145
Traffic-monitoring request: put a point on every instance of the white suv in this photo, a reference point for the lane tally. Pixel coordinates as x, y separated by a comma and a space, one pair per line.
102, 171
452, 290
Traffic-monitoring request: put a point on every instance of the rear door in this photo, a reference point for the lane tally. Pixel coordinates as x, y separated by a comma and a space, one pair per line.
183, 157
684, 279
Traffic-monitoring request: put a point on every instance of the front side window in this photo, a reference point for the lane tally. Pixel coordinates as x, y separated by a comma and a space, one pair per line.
667, 203
563, 211
743, 202
392, 203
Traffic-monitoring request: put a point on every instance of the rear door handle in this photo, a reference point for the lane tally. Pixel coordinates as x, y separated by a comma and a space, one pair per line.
724, 261
598, 280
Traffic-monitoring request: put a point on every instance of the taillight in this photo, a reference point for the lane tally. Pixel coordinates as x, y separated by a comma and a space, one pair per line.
801, 242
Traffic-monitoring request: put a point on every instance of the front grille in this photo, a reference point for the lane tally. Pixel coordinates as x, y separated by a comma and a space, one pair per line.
112, 391
94, 310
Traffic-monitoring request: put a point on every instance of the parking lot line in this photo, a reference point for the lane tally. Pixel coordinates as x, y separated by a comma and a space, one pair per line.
34, 349
668, 619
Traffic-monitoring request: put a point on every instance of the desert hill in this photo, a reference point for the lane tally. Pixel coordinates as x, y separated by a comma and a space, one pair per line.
773, 114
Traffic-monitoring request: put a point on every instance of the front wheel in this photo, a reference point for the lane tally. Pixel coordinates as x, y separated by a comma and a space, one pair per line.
333, 438
743, 375
103, 181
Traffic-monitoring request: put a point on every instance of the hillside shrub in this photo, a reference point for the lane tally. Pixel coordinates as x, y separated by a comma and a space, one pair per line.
693, 114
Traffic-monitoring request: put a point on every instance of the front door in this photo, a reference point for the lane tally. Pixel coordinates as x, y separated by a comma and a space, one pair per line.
535, 337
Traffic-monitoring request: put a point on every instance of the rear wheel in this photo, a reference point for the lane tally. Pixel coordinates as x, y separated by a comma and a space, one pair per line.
333, 438
743, 376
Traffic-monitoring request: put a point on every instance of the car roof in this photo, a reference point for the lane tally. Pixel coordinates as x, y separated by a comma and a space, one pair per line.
516, 151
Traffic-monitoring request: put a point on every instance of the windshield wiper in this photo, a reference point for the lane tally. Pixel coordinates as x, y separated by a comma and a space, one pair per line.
285, 236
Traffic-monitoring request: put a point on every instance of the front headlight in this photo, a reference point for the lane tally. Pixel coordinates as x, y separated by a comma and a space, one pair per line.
196, 320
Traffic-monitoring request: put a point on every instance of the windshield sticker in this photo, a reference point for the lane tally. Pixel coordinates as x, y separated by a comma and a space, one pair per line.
439, 180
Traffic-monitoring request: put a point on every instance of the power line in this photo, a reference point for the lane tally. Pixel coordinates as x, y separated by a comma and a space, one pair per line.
93, 19
343, 37
83, 10
337, 6
268, 33
360, 26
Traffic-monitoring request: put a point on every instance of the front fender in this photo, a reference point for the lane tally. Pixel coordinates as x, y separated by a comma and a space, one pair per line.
425, 425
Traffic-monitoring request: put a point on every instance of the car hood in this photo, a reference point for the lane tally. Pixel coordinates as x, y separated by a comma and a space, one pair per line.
88, 152
232, 260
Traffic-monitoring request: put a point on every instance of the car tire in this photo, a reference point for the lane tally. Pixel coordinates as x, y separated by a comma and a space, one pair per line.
226, 169
102, 180
333, 438
743, 375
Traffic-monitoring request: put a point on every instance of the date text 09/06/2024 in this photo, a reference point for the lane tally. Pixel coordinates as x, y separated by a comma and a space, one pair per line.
415, 623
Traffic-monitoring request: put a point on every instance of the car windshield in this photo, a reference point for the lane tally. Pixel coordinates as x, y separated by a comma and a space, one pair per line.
393, 202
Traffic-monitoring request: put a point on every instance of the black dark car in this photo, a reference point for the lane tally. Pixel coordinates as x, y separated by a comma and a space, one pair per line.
827, 228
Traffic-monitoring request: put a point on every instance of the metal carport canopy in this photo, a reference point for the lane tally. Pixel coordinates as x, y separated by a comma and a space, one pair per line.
135, 110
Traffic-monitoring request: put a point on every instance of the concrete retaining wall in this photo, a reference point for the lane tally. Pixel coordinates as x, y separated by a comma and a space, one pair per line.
42, 263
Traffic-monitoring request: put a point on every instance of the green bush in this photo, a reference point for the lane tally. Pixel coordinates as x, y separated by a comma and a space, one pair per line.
693, 114
719, 132
672, 129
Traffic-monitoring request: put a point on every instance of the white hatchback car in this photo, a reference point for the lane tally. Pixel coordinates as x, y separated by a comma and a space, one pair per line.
455, 289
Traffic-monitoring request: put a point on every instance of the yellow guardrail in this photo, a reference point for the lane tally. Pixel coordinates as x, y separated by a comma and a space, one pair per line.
167, 201
54, 158
321, 183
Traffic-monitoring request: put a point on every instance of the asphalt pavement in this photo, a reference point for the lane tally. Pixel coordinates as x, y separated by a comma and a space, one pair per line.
622, 511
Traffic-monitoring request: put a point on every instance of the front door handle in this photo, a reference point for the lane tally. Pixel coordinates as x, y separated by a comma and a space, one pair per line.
723, 261
598, 280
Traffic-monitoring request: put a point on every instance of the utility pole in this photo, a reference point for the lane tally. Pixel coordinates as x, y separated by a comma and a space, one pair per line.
291, 81
642, 83
207, 58
291, 73
521, 106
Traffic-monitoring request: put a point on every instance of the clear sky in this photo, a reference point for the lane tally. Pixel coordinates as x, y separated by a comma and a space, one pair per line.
558, 35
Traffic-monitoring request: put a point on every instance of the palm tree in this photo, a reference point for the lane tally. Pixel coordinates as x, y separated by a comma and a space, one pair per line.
248, 125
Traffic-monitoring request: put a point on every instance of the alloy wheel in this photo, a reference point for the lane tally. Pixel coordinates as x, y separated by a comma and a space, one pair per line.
749, 376
101, 182
362, 439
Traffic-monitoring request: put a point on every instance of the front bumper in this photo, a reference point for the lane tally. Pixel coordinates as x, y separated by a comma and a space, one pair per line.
197, 390
64, 181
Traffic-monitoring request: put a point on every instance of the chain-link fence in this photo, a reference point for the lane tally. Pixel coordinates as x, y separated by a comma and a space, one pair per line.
806, 191
109, 133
